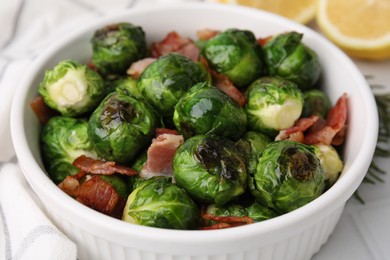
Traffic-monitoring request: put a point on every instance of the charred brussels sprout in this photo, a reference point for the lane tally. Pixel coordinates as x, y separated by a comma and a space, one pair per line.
273, 104
115, 47
315, 102
166, 80
72, 88
331, 162
205, 109
63, 139
120, 127
236, 54
288, 176
210, 168
286, 56
158, 202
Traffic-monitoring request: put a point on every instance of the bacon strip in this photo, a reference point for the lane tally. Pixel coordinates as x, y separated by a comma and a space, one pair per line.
71, 184
138, 67
226, 221
174, 42
295, 133
315, 130
41, 110
223, 83
263, 41
335, 125
93, 166
160, 156
160, 131
206, 34
99, 195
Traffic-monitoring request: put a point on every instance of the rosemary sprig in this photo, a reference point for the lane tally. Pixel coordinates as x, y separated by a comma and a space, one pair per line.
381, 150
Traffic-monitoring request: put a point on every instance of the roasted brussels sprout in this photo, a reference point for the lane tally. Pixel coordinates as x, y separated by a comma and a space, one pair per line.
120, 127
157, 202
286, 56
205, 109
72, 88
115, 47
252, 144
273, 104
63, 139
236, 54
127, 86
139, 161
315, 102
255, 210
166, 80
288, 176
330, 161
210, 168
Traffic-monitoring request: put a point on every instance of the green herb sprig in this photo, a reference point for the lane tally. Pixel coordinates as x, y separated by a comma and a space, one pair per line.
375, 173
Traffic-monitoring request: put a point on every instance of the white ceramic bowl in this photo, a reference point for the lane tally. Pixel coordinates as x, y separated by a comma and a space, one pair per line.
296, 235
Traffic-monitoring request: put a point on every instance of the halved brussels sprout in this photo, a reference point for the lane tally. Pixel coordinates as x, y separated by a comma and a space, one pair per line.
116, 46
288, 176
286, 56
273, 104
166, 80
157, 202
205, 109
63, 139
315, 102
72, 88
236, 54
331, 162
210, 168
121, 126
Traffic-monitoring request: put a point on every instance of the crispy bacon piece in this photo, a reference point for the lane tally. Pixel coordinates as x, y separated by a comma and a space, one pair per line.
263, 41
160, 155
41, 110
316, 130
295, 133
206, 34
94, 166
334, 131
174, 42
224, 84
98, 194
160, 131
71, 184
226, 221
92, 66
138, 67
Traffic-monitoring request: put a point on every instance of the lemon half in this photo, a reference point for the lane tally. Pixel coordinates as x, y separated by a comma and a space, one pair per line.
360, 27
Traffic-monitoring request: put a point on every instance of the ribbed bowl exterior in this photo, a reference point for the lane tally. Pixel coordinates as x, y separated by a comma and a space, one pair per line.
301, 246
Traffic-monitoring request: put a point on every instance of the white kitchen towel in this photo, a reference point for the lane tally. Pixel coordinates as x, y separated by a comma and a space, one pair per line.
28, 233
